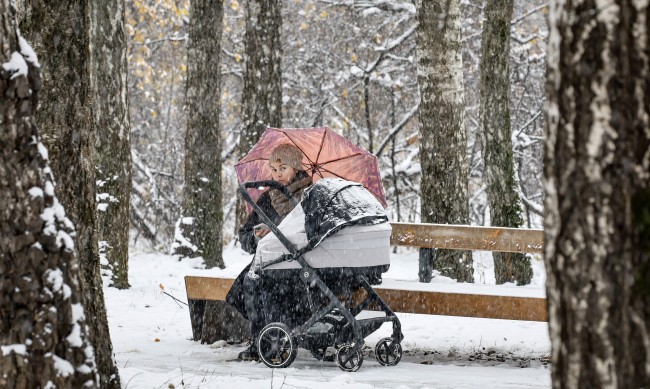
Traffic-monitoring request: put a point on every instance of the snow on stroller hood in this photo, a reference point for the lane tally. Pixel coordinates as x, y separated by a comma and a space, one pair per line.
333, 205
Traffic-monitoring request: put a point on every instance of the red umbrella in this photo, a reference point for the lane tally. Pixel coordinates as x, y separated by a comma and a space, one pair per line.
325, 154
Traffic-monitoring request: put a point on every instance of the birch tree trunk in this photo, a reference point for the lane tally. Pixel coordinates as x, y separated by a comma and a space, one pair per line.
597, 184
113, 143
262, 94
202, 192
62, 29
497, 151
43, 330
443, 141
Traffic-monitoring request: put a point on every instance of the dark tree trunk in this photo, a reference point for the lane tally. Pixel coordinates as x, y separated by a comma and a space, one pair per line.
62, 29
597, 184
202, 192
262, 94
113, 140
443, 141
497, 151
42, 325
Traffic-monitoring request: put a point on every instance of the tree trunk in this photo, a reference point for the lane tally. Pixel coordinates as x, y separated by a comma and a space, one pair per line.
113, 143
43, 331
62, 29
262, 94
501, 185
202, 191
597, 184
443, 185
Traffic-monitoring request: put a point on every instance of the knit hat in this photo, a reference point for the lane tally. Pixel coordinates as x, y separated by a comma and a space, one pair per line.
287, 154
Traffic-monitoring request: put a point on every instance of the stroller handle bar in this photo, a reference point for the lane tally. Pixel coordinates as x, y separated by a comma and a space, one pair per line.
273, 184
274, 228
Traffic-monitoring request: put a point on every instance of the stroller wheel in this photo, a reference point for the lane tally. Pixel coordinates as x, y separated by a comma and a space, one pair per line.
386, 355
348, 358
275, 345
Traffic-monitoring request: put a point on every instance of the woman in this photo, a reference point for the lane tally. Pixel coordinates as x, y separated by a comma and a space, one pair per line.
267, 299
286, 168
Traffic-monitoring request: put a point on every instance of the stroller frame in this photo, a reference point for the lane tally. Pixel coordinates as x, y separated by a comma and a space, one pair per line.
283, 345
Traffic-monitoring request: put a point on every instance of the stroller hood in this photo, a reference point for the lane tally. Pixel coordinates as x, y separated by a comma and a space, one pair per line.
332, 204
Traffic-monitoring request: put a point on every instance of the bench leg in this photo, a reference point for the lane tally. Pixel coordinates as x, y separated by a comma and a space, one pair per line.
197, 308
222, 322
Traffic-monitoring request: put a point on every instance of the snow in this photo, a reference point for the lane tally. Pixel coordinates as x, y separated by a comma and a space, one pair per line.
151, 335
27, 52
62, 366
16, 65
19, 349
54, 277
74, 338
179, 239
35, 192
64, 240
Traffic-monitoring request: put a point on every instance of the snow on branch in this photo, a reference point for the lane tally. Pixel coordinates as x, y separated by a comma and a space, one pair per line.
527, 14
532, 206
399, 40
373, 6
397, 129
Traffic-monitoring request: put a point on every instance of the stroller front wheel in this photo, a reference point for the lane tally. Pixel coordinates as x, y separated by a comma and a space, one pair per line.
349, 358
276, 347
388, 352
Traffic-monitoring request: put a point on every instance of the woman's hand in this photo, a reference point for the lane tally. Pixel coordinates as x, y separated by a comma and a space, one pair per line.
262, 232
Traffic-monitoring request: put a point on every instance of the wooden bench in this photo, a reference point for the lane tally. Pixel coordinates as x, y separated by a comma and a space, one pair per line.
213, 319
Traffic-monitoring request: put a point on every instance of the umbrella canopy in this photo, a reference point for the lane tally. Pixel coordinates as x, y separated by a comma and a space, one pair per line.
325, 154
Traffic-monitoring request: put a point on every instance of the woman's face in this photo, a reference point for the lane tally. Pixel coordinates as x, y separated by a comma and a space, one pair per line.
282, 173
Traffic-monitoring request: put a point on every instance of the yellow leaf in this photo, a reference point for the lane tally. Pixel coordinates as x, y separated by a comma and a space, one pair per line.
323, 14
237, 57
412, 139
353, 57
139, 37
234, 5
345, 93
303, 26
153, 115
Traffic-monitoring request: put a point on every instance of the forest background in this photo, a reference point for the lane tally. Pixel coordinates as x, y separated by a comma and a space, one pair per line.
347, 65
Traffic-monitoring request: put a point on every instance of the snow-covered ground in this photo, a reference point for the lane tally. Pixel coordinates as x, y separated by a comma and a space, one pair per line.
151, 335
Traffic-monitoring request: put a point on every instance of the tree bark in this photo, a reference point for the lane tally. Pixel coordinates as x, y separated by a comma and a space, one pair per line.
202, 191
65, 118
113, 143
262, 94
597, 185
43, 331
498, 164
443, 141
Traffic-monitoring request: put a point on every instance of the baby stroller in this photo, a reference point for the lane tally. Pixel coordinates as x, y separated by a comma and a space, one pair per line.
338, 238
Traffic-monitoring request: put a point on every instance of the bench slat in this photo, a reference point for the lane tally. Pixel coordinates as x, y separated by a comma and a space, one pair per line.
409, 301
207, 288
445, 236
